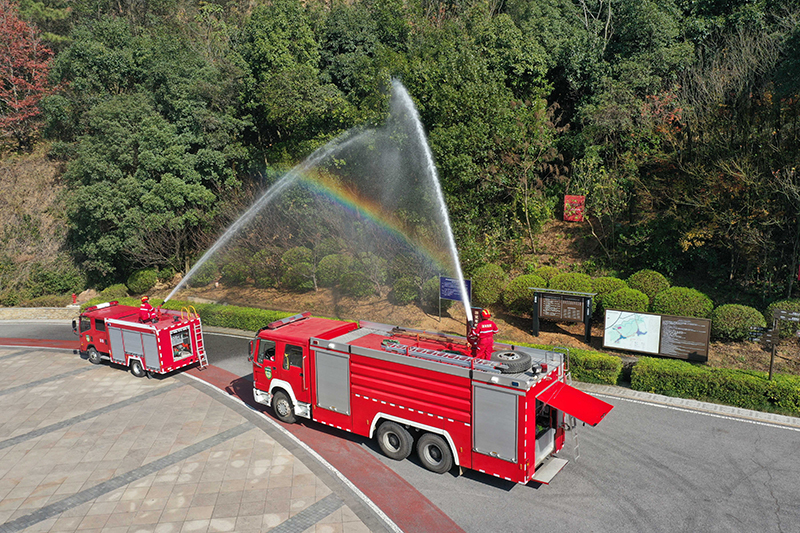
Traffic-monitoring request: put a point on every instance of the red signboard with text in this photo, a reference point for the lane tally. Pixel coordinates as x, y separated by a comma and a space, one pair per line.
574, 206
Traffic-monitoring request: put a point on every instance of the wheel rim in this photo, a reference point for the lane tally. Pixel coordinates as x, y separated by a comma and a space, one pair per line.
392, 441
283, 407
433, 454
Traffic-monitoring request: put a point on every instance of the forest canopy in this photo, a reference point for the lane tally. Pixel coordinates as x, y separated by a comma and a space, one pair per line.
677, 119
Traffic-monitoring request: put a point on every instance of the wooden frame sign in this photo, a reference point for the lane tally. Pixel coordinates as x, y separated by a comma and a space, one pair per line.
562, 306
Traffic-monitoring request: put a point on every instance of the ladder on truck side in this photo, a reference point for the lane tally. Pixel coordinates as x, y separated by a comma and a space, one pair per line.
201, 349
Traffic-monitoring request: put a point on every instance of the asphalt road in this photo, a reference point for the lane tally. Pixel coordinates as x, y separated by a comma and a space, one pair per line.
645, 467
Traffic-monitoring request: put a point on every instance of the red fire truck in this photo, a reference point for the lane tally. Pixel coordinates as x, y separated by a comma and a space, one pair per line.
172, 340
413, 389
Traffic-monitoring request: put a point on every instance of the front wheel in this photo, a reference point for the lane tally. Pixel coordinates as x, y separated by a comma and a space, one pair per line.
394, 440
434, 452
94, 356
137, 369
283, 408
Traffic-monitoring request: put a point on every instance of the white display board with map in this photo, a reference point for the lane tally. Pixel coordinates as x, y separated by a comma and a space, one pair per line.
637, 332
670, 336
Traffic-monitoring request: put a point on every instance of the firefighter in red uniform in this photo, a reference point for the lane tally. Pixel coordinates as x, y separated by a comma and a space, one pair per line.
484, 333
146, 311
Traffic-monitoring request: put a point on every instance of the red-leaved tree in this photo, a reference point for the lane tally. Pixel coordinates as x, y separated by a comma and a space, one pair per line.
24, 64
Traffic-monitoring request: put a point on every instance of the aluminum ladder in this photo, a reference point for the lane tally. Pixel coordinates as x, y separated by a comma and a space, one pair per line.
573, 423
201, 349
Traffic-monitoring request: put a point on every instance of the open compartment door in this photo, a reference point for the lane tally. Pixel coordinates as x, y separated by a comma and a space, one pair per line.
574, 402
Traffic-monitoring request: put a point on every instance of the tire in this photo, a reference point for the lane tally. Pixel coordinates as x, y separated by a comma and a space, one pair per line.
434, 453
283, 408
94, 356
515, 362
394, 440
137, 369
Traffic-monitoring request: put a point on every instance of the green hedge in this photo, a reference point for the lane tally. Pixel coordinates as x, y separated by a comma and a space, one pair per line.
589, 366
740, 388
488, 283
518, 296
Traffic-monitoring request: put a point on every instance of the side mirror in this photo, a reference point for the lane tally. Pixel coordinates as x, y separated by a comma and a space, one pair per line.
250, 352
74, 326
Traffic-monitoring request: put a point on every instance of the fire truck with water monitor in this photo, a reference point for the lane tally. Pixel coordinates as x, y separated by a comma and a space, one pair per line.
414, 389
169, 341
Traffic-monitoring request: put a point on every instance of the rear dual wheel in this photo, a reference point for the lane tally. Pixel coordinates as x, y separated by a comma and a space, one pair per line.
394, 440
434, 453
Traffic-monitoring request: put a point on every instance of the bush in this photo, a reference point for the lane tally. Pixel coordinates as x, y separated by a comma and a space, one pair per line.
488, 282
604, 287
142, 281
627, 300
681, 301
205, 274
546, 272
165, 274
518, 297
649, 282
733, 322
430, 295
265, 269
356, 284
785, 327
10, 298
235, 273
571, 281
740, 388
329, 246
58, 277
48, 300
114, 292
331, 269
298, 277
404, 291
294, 256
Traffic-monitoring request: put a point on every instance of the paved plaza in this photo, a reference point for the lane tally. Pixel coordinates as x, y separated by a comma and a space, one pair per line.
92, 448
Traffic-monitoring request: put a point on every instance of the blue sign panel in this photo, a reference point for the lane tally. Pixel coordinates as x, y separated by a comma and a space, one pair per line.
449, 290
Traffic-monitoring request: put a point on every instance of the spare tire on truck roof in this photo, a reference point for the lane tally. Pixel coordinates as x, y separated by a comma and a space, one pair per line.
514, 361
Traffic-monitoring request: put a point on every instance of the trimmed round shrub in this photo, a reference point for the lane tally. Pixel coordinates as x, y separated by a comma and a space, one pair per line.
404, 265
627, 300
682, 301
204, 275
430, 295
546, 273
605, 286
142, 281
571, 281
114, 292
518, 297
356, 284
294, 256
785, 327
331, 269
488, 283
235, 273
298, 277
733, 322
649, 282
165, 274
404, 291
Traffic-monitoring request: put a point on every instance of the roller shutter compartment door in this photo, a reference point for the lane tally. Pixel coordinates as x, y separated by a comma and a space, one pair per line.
333, 381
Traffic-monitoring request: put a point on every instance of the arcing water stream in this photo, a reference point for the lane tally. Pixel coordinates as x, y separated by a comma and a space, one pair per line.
377, 190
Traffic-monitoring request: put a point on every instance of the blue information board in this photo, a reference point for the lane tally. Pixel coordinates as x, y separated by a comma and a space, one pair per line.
449, 290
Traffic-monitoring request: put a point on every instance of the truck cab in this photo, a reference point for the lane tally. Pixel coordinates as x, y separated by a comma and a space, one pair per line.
280, 357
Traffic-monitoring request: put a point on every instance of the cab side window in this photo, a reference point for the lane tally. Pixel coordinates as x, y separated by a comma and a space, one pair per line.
292, 356
86, 324
266, 351
99, 325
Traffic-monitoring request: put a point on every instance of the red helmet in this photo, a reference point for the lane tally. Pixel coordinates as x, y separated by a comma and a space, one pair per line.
485, 313
145, 298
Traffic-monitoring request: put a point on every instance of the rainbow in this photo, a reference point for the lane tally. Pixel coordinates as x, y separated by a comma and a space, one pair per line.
350, 200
